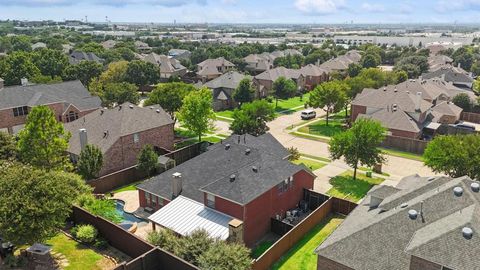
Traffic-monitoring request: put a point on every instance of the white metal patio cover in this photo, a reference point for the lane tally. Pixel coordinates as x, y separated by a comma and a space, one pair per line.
184, 215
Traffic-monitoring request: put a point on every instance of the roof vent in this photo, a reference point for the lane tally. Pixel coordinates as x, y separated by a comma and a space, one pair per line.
227, 146
403, 205
384, 88
158, 111
395, 89
475, 187
458, 191
101, 111
232, 177
412, 214
151, 108
119, 107
130, 106
431, 178
254, 168
467, 232
247, 151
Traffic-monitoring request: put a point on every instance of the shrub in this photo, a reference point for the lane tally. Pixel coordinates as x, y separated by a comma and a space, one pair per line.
101, 243
86, 233
269, 99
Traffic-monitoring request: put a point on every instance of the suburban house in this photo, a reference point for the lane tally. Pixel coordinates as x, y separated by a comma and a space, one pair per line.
437, 61
179, 54
314, 75
168, 66
223, 88
406, 108
69, 101
120, 133
341, 63
258, 63
213, 68
142, 47
455, 75
108, 44
424, 223
241, 182
77, 57
264, 81
39, 45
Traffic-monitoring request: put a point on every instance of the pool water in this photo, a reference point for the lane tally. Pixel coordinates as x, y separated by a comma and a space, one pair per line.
127, 217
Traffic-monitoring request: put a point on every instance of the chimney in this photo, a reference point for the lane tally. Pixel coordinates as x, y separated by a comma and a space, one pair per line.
235, 231
2, 83
418, 101
82, 133
177, 184
24, 81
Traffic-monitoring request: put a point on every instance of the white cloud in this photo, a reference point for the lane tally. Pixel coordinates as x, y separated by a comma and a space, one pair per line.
319, 6
373, 7
36, 3
444, 6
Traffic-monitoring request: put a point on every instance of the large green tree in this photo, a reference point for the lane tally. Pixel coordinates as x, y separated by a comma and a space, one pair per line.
50, 62
463, 101
283, 88
84, 71
8, 149
43, 142
454, 155
330, 96
90, 162
119, 93
252, 118
147, 160
222, 255
358, 145
16, 66
142, 73
169, 96
244, 91
35, 203
196, 113
413, 65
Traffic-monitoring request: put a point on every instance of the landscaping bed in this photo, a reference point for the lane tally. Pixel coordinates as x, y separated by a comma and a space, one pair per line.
345, 187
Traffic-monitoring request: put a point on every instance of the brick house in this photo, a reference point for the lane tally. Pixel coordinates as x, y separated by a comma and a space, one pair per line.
314, 75
121, 133
223, 88
213, 68
69, 101
424, 223
247, 179
264, 81
168, 66
407, 108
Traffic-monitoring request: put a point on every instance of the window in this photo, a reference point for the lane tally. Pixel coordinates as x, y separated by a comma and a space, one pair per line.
147, 198
154, 200
285, 184
136, 138
210, 200
20, 111
72, 116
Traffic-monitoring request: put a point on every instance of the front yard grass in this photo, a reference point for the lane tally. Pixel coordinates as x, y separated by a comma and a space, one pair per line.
302, 256
345, 187
291, 104
79, 256
402, 154
320, 128
312, 164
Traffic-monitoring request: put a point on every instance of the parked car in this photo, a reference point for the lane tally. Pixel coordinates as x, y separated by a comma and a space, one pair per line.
465, 126
308, 114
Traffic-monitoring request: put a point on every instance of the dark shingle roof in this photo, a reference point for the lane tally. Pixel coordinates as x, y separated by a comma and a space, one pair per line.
450, 74
72, 92
229, 80
211, 170
77, 56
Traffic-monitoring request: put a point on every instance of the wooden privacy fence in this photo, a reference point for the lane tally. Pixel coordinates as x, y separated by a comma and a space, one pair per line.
404, 144
279, 227
470, 117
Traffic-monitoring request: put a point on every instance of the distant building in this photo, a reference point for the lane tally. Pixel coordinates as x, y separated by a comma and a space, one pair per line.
77, 57
223, 88
108, 44
437, 61
121, 133
142, 47
314, 75
341, 63
213, 68
168, 66
39, 45
259, 63
179, 54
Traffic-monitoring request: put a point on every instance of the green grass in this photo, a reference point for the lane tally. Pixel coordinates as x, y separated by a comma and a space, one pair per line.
261, 248
227, 113
184, 133
402, 154
128, 187
301, 256
79, 256
310, 137
211, 139
291, 103
370, 169
313, 165
320, 128
315, 157
345, 187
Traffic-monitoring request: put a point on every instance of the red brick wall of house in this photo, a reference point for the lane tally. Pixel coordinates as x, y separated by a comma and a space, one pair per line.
403, 133
356, 110
327, 264
143, 200
124, 152
417, 263
228, 207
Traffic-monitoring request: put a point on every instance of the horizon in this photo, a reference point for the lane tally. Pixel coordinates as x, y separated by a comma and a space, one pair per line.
299, 12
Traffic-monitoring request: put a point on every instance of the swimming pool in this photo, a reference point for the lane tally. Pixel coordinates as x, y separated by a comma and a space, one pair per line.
127, 217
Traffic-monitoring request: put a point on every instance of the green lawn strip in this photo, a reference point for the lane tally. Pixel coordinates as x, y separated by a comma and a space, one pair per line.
184, 133
402, 154
261, 248
315, 157
370, 169
79, 256
345, 187
225, 114
313, 165
302, 256
310, 137
320, 128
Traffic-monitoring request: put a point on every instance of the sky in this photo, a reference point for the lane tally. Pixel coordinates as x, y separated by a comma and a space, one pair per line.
246, 11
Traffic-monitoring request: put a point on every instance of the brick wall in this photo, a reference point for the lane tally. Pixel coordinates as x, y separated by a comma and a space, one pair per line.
225, 206
159, 202
356, 110
327, 264
417, 263
405, 134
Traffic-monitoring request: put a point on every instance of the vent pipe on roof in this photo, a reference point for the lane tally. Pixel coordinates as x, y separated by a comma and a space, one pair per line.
247, 151
227, 146
82, 133
130, 106
232, 177
467, 232
475, 187
418, 101
458, 191
412, 214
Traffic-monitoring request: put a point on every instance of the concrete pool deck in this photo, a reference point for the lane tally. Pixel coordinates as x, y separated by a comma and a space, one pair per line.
130, 198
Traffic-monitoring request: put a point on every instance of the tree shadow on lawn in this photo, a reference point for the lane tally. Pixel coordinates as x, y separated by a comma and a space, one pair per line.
347, 187
321, 128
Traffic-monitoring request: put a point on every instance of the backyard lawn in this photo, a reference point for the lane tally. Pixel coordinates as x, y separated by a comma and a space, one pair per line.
301, 256
128, 187
78, 256
345, 187
312, 164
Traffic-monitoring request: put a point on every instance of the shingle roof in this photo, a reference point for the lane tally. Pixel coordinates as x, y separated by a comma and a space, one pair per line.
229, 80
211, 170
71, 92
275, 73
217, 62
77, 56
166, 64
385, 237
341, 62
449, 74
398, 120
117, 122
312, 70
447, 108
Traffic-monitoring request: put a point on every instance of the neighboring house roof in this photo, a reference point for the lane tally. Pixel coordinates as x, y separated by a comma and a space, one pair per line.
385, 237
77, 56
228, 80
342, 62
312, 70
437, 61
109, 44
105, 126
71, 92
450, 74
166, 64
211, 171
184, 216
445, 108
275, 73
209, 70
176, 52
215, 63
399, 119
39, 45
141, 45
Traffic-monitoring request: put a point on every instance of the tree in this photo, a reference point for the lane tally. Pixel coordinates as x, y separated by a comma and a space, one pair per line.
50, 62
252, 118
16, 66
401, 76
294, 154
90, 162
105, 208
115, 73
195, 244
169, 96
120, 93
330, 96
463, 101
147, 160
464, 56
371, 60
244, 91
454, 155
196, 113
354, 69
35, 203
358, 145
142, 73
222, 255
414, 65
283, 88
8, 149
84, 71
43, 142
